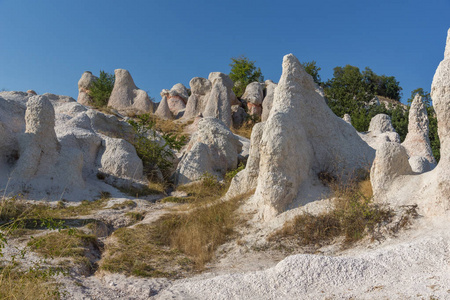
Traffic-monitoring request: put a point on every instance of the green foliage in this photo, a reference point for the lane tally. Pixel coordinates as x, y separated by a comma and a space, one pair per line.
243, 71
101, 89
153, 151
230, 174
386, 86
312, 69
347, 91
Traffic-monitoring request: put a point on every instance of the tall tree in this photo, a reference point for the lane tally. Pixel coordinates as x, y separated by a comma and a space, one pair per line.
243, 71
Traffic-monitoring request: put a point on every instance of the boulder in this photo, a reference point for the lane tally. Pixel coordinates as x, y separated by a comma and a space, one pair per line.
219, 100
84, 85
391, 161
177, 98
380, 131
253, 95
120, 159
126, 97
301, 138
32, 92
200, 89
213, 149
417, 143
268, 100
381, 123
163, 110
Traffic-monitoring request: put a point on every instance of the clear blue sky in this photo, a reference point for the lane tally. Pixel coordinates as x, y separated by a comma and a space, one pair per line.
46, 45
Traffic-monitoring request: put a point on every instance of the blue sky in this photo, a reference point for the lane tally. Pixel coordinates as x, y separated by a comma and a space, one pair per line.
46, 45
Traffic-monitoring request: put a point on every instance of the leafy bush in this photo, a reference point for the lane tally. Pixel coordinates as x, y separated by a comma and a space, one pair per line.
243, 71
312, 69
155, 153
101, 89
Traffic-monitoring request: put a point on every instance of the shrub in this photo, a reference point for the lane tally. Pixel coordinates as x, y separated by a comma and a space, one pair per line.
243, 71
155, 153
101, 89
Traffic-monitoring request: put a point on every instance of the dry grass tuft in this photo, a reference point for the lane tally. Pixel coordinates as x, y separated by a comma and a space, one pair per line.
30, 285
179, 242
353, 216
69, 243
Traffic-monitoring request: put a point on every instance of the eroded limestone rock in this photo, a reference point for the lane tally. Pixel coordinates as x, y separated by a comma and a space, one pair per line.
126, 97
213, 148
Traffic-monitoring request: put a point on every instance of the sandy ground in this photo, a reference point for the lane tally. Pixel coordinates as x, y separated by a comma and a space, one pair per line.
415, 264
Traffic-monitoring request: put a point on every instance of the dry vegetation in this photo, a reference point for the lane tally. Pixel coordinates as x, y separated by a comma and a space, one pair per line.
353, 216
33, 284
179, 242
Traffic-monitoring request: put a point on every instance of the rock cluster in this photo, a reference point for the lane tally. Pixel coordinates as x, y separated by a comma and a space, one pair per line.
429, 190
53, 147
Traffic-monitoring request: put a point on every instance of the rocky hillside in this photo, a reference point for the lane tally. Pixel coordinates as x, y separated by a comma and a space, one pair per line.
138, 200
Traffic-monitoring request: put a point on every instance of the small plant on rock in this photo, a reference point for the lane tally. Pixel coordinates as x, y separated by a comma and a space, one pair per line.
155, 151
101, 89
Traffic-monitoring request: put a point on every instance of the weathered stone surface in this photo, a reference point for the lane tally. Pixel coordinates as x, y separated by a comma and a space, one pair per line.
52, 147
430, 190
213, 149
219, 100
300, 119
84, 85
200, 89
120, 159
254, 93
126, 97
32, 92
176, 97
163, 110
347, 119
381, 123
246, 180
380, 131
391, 161
268, 100
239, 115
417, 143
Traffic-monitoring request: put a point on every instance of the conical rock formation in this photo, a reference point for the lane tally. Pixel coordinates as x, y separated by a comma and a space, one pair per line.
84, 85
219, 100
301, 138
126, 97
163, 110
417, 143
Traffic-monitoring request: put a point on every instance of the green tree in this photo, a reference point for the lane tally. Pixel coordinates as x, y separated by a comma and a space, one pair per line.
243, 71
347, 91
101, 89
312, 69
